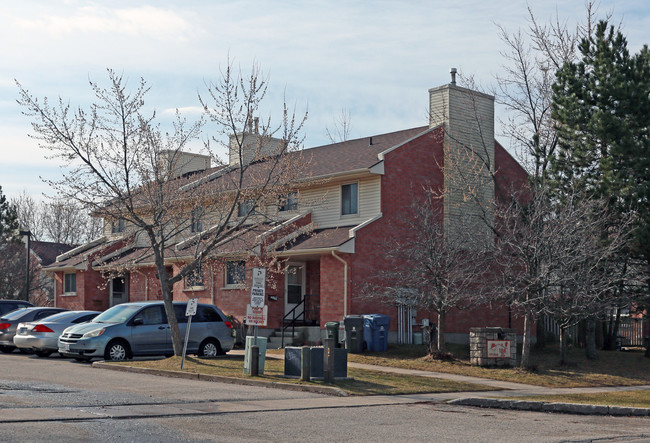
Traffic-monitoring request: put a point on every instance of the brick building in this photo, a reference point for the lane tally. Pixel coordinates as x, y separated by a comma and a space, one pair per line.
332, 230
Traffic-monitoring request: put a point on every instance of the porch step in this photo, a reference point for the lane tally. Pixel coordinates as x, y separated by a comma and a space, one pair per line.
275, 339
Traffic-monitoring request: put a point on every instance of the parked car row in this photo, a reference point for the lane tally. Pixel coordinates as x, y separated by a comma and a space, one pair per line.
121, 332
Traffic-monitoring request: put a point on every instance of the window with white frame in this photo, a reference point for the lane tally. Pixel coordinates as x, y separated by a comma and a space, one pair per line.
118, 226
195, 279
70, 283
350, 199
288, 202
235, 273
245, 208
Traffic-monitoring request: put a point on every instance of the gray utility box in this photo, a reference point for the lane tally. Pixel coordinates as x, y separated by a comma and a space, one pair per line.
293, 358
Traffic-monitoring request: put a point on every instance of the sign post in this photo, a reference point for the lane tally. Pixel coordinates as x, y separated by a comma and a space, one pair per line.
190, 311
258, 294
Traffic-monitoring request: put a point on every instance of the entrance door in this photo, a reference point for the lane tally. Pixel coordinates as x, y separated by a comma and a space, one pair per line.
294, 289
118, 291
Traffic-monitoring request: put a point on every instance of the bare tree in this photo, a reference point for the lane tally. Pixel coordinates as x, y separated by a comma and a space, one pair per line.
30, 215
124, 167
552, 260
56, 220
341, 129
432, 270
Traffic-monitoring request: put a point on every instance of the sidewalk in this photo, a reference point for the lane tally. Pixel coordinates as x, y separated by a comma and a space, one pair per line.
504, 388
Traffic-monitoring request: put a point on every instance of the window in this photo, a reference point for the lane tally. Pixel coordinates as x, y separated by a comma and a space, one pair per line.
118, 226
245, 208
235, 273
349, 199
206, 314
70, 283
288, 202
195, 278
197, 223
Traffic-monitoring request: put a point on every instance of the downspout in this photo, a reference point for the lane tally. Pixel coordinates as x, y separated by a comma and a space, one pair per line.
345, 283
211, 285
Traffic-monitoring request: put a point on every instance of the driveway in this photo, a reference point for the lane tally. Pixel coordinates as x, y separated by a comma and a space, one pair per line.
61, 400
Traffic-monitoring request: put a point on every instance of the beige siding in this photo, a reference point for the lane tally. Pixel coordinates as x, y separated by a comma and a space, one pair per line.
468, 117
325, 202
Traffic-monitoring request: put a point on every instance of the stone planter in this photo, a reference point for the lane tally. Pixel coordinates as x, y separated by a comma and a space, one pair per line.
493, 347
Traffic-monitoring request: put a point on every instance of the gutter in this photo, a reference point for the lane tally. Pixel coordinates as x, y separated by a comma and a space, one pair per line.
345, 283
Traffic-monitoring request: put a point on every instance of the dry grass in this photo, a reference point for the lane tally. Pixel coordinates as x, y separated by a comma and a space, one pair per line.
612, 369
635, 399
362, 382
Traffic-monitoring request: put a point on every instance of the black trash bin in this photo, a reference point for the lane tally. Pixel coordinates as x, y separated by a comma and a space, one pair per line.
332, 331
353, 333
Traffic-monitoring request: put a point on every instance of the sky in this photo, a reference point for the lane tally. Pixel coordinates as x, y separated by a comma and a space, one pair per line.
375, 59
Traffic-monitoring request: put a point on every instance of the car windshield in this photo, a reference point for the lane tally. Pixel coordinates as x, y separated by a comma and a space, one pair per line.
15, 315
60, 317
116, 314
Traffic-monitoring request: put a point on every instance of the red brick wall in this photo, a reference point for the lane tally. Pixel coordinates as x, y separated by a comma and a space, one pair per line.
409, 170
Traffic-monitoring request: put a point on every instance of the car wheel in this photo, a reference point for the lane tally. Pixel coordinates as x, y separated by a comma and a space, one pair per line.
210, 348
117, 350
42, 353
7, 349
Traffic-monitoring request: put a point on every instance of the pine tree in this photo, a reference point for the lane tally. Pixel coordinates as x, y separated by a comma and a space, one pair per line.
601, 105
8, 220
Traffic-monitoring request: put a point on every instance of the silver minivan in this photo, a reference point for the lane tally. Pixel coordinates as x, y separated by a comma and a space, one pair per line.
141, 329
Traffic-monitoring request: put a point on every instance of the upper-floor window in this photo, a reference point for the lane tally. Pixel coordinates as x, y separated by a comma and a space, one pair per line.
245, 208
118, 226
70, 283
288, 202
235, 273
350, 199
197, 223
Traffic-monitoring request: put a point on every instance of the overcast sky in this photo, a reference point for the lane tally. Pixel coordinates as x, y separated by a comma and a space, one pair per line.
376, 59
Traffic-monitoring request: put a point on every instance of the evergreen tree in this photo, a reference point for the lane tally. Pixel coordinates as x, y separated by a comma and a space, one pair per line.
8, 220
601, 105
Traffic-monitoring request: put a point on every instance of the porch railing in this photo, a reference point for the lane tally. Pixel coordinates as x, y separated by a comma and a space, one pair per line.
299, 316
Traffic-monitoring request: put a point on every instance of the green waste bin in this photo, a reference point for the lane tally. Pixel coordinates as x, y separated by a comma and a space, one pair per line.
332, 331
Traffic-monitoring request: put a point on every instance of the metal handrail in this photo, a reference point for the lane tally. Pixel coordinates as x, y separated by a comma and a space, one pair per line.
293, 320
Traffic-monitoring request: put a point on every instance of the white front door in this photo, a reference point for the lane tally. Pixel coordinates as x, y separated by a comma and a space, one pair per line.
119, 292
294, 290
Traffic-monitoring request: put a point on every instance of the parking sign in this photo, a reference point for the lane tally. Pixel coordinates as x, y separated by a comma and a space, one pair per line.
258, 287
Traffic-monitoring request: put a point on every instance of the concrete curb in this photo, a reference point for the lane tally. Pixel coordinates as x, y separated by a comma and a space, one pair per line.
540, 406
325, 390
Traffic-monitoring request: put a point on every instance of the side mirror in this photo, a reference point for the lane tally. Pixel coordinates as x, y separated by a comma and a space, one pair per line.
137, 321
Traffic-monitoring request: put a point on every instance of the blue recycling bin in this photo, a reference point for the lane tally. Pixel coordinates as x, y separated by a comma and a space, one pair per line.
375, 331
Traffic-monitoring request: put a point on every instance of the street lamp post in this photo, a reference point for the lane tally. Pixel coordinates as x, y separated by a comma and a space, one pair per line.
27, 254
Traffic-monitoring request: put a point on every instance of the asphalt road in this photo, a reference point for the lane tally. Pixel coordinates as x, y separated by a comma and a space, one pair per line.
59, 400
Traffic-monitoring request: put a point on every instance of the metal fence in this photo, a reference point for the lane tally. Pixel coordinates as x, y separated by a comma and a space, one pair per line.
631, 330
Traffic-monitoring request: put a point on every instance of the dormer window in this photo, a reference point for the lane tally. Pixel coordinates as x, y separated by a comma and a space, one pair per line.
197, 223
288, 202
118, 226
350, 199
245, 208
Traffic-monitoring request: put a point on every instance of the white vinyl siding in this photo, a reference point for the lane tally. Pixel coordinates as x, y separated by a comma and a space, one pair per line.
325, 203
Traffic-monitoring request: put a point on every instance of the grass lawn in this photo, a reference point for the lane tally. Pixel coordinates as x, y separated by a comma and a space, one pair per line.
362, 382
612, 369
635, 399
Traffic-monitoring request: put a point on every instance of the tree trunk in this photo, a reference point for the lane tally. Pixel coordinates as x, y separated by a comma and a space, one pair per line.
525, 348
168, 297
563, 346
540, 333
441, 332
432, 333
591, 351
